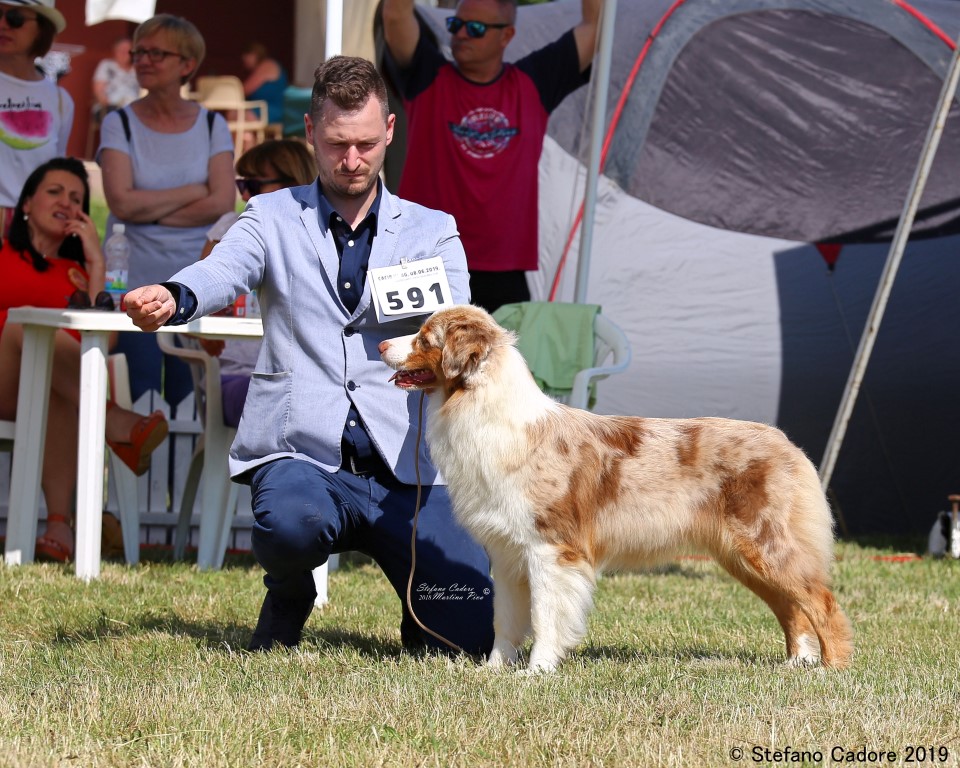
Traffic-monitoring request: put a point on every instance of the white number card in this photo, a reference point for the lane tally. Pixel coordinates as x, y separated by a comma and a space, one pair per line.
414, 288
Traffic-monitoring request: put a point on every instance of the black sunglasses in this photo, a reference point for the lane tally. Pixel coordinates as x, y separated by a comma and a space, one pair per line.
156, 55
15, 17
81, 300
255, 186
474, 28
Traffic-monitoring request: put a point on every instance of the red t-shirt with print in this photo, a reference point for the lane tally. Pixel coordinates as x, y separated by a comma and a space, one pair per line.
473, 150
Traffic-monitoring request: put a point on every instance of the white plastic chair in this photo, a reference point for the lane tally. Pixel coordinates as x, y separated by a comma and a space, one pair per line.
609, 340
126, 481
224, 93
209, 464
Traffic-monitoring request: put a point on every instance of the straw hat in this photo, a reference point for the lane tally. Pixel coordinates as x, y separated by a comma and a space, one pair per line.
42, 8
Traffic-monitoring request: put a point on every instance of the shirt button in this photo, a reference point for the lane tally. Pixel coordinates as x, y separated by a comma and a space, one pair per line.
349, 331
351, 385
346, 285
350, 243
353, 423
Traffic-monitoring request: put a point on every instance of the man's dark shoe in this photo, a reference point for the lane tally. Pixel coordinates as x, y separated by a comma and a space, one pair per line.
281, 622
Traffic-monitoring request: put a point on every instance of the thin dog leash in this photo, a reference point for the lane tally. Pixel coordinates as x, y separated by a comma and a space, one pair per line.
413, 538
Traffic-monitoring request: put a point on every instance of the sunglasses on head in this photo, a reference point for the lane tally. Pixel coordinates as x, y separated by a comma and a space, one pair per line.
474, 28
15, 17
255, 186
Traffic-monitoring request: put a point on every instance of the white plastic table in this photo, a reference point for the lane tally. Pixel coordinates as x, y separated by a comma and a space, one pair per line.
95, 327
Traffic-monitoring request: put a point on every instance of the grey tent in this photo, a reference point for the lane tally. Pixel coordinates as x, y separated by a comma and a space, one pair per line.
741, 131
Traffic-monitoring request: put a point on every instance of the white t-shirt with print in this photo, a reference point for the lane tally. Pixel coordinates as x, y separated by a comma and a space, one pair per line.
35, 121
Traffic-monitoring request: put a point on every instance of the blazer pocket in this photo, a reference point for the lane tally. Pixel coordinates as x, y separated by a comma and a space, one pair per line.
266, 413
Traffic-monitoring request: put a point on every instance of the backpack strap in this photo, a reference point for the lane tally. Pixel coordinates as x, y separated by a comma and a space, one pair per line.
211, 116
126, 122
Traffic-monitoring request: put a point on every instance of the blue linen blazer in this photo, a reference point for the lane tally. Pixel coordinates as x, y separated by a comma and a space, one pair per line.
316, 356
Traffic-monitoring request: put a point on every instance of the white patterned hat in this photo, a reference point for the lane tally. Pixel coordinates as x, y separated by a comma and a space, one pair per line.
43, 8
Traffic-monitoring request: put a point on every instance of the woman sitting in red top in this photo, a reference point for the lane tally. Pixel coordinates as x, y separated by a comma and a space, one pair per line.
52, 251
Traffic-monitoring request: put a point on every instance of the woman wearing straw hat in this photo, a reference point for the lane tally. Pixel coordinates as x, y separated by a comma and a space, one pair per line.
36, 115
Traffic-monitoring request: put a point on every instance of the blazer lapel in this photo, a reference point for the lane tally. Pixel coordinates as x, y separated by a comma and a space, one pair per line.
322, 241
384, 250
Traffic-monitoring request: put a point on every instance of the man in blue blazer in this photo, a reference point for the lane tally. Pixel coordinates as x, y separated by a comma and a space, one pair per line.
327, 443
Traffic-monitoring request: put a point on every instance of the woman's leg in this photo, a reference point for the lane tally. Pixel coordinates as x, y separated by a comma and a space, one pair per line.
59, 477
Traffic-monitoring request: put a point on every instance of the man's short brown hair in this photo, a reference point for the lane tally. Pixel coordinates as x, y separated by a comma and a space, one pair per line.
349, 82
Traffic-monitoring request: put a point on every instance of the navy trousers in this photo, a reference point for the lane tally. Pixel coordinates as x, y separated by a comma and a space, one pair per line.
303, 514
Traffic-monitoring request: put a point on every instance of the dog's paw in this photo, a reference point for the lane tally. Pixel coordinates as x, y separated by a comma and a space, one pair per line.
502, 655
530, 672
808, 653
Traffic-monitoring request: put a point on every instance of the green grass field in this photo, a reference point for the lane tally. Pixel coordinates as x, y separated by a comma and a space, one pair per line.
682, 667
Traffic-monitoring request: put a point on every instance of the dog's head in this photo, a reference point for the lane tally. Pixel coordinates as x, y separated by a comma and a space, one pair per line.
448, 352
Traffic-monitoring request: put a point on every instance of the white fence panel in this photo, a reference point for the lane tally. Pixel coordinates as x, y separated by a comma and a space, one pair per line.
159, 491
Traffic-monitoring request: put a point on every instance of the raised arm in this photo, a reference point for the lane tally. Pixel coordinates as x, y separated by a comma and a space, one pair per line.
401, 30
586, 31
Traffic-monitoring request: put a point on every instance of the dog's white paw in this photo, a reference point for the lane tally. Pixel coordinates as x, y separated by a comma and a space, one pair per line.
541, 664
502, 655
808, 652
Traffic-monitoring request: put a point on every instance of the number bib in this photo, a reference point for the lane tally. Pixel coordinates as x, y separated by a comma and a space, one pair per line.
410, 289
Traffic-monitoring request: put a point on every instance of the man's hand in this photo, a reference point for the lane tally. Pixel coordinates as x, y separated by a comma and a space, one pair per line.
149, 307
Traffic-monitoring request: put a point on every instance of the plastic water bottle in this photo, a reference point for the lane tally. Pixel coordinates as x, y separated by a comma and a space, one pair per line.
116, 252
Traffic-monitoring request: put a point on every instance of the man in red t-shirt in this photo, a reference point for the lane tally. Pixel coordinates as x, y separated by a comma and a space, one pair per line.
476, 126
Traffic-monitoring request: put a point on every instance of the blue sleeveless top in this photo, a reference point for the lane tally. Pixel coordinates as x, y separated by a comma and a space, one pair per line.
272, 93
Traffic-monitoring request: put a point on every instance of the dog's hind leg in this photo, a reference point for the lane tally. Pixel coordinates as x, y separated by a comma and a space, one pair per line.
814, 625
803, 645
831, 623
511, 613
561, 597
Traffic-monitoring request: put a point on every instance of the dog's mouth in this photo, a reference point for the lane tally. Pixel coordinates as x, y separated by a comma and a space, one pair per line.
418, 379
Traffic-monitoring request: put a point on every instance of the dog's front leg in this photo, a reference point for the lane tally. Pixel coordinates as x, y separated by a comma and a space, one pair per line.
562, 596
511, 613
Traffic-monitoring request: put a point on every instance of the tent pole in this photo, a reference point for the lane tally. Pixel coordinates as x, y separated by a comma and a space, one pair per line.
333, 45
601, 78
894, 257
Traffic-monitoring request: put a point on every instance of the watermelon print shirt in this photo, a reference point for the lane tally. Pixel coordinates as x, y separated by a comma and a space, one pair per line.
35, 121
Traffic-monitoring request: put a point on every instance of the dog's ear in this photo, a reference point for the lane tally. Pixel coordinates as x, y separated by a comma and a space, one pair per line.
465, 347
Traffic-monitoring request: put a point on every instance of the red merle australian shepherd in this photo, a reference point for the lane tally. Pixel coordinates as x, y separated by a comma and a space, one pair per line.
556, 495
